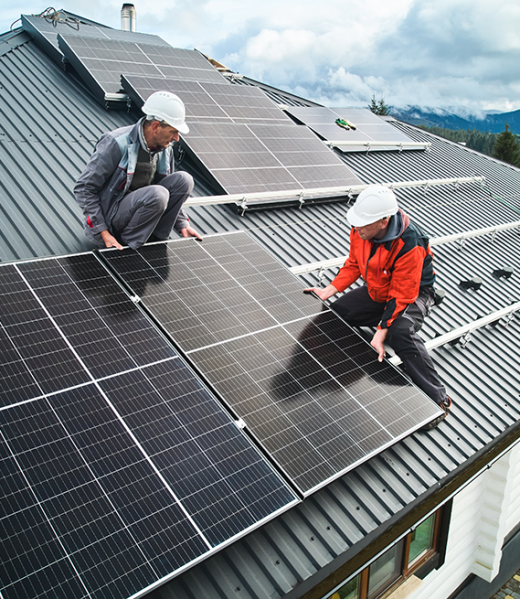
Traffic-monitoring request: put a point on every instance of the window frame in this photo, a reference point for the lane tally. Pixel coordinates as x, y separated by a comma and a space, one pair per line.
433, 556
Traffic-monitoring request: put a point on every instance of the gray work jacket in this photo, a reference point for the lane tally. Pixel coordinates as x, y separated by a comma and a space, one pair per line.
108, 175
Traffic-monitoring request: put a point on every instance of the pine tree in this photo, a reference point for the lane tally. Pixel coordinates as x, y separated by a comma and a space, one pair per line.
378, 106
506, 147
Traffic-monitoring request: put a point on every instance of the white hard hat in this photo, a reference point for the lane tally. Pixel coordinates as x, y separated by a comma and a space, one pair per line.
372, 204
167, 107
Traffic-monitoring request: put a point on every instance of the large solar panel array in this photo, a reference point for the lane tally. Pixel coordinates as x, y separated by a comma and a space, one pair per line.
254, 157
369, 127
309, 388
217, 102
119, 468
102, 62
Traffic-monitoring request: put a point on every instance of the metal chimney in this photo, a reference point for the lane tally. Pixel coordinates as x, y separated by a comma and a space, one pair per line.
128, 17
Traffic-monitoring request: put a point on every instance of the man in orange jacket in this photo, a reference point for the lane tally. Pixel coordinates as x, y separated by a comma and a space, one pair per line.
394, 258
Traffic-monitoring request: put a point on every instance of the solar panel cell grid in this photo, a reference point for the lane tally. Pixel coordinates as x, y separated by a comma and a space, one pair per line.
309, 388
258, 157
101, 62
118, 482
210, 101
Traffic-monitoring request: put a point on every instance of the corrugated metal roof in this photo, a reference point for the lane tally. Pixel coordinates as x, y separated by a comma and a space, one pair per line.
49, 124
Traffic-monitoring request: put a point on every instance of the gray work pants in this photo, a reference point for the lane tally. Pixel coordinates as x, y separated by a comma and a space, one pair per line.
357, 308
152, 210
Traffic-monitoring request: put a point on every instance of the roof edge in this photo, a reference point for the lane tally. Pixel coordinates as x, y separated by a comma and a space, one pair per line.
363, 552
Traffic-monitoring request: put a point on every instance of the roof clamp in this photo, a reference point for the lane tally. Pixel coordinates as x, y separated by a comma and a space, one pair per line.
301, 200
400, 147
368, 146
320, 275
507, 319
243, 205
240, 423
463, 341
457, 184
128, 103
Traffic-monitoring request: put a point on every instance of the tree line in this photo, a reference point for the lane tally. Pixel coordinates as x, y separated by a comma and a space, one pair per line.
505, 146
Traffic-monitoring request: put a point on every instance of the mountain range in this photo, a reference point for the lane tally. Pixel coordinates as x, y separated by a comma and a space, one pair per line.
492, 122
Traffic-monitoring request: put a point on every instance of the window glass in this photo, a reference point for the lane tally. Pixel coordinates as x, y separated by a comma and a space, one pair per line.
348, 591
421, 539
385, 570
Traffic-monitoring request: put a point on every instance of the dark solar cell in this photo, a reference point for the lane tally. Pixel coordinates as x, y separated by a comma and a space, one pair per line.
33, 344
104, 327
91, 533
218, 477
308, 387
34, 563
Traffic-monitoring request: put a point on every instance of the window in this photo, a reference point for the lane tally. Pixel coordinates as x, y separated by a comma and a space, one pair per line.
395, 564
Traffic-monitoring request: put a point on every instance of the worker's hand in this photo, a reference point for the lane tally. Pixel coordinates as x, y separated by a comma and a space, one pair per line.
110, 240
378, 342
323, 293
189, 232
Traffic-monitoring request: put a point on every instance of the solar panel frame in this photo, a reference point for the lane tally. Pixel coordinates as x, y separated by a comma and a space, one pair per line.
308, 368
87, 474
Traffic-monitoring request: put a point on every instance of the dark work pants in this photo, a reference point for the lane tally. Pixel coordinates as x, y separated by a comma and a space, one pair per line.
151, 210
357, 308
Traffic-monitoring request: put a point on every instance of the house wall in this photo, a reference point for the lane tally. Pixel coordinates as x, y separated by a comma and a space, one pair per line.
483, 514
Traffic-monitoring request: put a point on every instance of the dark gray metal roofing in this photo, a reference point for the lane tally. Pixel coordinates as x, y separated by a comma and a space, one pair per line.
49, 124
48, 127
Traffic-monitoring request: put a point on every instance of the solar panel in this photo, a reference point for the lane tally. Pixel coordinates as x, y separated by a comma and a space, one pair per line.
46, 33
220, 102
251, 158
121, 468
368, 126
308, 387
102, 62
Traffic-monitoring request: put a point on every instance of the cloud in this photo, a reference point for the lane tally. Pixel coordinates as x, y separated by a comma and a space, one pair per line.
433, 53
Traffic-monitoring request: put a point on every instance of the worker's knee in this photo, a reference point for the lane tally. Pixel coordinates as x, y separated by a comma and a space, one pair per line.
157, 199
400, 335
179, 183
186, 182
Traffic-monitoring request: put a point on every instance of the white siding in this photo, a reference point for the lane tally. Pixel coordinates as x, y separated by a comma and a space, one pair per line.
483, 513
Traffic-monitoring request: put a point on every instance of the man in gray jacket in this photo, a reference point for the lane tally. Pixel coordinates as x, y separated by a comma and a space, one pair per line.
128, 190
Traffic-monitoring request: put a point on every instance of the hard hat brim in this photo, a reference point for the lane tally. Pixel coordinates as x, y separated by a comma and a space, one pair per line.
357, 221
184, 129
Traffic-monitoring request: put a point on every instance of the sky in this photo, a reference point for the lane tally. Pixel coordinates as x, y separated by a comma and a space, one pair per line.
458, 55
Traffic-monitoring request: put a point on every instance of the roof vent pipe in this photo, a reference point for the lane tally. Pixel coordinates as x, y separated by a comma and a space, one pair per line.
128, 17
